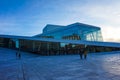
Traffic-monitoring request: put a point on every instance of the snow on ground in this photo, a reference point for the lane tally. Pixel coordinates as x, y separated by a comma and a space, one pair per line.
100, 66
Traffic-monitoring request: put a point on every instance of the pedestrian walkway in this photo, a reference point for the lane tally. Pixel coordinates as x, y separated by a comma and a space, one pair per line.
102, 66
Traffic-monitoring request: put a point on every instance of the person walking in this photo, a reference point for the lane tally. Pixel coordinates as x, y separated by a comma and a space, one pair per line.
85, 52
19, 56
81, 51
16, 55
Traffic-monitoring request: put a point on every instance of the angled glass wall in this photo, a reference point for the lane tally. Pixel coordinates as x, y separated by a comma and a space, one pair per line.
94, 36
75, 31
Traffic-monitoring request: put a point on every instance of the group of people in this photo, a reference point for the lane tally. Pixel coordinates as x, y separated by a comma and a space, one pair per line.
18, 55
83, 52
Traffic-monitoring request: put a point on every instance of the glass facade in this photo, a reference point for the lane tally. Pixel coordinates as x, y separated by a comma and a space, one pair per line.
77, 31
94, 36
51, 48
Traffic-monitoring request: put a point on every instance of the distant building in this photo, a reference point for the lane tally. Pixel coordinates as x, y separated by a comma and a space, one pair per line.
61, 40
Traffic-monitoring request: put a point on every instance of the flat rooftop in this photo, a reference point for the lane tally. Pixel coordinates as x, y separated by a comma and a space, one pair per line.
101, 66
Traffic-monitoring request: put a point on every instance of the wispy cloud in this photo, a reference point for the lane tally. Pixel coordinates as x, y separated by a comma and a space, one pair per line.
105, 14
31, 19
110, 19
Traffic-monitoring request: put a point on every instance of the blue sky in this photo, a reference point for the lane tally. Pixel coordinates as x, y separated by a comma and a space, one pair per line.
29, 17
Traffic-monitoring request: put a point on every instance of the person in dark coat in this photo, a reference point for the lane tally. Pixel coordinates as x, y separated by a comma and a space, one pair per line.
19, 56
16, 55
81, 52
85, 52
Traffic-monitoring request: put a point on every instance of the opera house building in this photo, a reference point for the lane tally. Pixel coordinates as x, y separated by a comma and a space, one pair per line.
61, 40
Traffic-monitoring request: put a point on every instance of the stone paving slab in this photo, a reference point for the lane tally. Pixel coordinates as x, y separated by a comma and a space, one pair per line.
102, 66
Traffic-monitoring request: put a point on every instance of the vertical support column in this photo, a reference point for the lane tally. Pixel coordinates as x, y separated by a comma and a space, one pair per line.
17, 43
33, 46
47, 48
100, 33
81, 35
39, 47
97, 36
9, 43
58, 48
93, 36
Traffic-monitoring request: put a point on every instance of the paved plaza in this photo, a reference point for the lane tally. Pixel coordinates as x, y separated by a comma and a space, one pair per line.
100, 66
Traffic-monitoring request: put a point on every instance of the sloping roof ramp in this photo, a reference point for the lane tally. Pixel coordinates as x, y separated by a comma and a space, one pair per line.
95, 43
